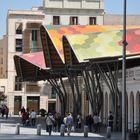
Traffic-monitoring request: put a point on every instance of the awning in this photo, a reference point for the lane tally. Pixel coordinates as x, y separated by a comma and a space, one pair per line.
36, 59
28, 66
92, 43
51, 37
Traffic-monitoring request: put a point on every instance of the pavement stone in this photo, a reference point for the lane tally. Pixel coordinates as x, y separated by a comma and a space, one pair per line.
8, 128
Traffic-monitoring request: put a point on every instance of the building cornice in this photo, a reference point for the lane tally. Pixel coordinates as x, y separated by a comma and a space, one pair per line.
67, 11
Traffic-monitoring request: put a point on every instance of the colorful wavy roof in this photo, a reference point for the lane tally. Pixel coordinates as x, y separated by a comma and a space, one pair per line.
103, 44
57, 32
36, 58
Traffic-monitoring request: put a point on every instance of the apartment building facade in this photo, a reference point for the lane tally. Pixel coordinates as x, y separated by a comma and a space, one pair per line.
23, 37
3, 67
69, 12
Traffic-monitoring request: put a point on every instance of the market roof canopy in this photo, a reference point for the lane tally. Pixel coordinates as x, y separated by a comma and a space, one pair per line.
80, 43
29, 65
36, 59
52, 41
99, 44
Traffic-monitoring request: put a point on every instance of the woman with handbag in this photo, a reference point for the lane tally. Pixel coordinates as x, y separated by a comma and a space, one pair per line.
49, 123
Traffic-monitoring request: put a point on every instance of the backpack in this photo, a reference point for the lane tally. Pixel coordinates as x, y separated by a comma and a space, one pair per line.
69, 120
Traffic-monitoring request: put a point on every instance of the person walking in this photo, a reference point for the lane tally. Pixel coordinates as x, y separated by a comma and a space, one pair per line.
69, 123
78, 121
96, 122
110, 120
49, 123
99, 123
6, 111
24, 118
2, 111
33, 118
89, 122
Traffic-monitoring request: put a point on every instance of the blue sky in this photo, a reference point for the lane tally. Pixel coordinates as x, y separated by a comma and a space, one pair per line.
111, 7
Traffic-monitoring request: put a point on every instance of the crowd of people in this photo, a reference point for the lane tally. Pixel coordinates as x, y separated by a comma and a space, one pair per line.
53, 121
28, 118
94, 122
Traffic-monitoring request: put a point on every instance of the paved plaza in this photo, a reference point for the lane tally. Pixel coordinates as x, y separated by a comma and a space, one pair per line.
8, 129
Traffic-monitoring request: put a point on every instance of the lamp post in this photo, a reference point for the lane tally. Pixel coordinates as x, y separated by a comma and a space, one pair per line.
124, 76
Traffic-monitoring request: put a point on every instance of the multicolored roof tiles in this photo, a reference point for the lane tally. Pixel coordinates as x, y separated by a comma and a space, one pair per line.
36, 58
98, 36
103, 44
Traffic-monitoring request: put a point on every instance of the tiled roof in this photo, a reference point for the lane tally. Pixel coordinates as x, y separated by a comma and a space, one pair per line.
56, 33
103, 44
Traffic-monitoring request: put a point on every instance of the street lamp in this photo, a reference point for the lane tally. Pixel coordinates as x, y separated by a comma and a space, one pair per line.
124, 76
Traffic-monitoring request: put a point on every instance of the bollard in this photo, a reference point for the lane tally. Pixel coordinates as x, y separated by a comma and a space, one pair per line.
85, 131
62, 130
39, 129
108, 132
17, 132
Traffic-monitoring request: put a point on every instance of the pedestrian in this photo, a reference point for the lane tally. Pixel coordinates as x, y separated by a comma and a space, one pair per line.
99, 123
49, 123
69, 123
2, 111
89, 122
28, 117
24, 118
58, 120
64, 122
33, 118
110, 120
78, 121
22, 110
96, 122
6, 111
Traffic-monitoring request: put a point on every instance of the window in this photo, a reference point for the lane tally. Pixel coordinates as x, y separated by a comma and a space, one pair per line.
18, 84
92, 20
34, 41
18, 45
34, 35
73, 20
18, 28
56, 20
53, 93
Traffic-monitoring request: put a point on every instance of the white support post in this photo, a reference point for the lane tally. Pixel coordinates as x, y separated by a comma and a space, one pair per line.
17, 132
39, 129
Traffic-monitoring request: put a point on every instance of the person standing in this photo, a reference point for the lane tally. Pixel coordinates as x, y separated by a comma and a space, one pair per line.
99, 123
6, 111
110, 120
22, 109
33, 118
89, 122
69, 123
28, 116
49, 123
79, 121
2, 111
96, 122
24, 118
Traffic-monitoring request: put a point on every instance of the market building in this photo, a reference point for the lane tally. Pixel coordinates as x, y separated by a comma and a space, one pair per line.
23, 36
